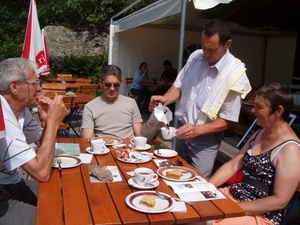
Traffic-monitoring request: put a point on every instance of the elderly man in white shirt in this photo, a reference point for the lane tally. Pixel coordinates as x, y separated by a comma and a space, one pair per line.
19, 89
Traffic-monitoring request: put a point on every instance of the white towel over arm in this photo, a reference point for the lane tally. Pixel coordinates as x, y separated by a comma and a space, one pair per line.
233, 77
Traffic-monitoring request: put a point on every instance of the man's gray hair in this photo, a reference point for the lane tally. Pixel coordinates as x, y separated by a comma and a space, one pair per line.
111, 70
15, 69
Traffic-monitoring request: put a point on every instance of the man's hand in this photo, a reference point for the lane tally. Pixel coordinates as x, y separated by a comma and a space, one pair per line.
154, 101
187, 131
56, 110
43, 106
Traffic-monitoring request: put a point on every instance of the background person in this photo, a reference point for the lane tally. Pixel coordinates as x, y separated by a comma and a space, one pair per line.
210, 87
111, 113
142, 93
169, 74
19, 89
269, 161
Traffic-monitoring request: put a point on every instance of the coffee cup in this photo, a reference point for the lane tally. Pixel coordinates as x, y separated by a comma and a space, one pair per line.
139, 142
98, 145
144, 175
168, 133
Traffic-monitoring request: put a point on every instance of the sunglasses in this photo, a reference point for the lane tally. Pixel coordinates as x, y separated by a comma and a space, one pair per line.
168, 163
115, 85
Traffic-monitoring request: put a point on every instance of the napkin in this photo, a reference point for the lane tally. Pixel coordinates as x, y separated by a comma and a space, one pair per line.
130, 173
85, 158
119, 145
179, 207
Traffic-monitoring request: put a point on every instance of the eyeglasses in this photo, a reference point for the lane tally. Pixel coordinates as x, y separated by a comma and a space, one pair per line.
36, 83
115, 85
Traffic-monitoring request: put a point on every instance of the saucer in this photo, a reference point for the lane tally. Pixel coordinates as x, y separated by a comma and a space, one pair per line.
105, 151
133, 183
145, 148
165, 153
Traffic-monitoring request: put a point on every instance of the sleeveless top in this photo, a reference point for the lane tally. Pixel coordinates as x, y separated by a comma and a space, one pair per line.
259, 167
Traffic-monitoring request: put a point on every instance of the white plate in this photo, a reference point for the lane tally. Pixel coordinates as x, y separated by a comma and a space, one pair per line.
133, 183
116, 140
66, 161
145, 148
161, 205
144, 159
106, 150
165, 153
188, 174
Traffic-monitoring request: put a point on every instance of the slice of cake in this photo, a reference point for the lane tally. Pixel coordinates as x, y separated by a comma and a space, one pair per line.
148, 200
109, 140
174, 174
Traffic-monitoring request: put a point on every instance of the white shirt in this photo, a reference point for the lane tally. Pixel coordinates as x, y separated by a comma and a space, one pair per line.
195, 81
14, 148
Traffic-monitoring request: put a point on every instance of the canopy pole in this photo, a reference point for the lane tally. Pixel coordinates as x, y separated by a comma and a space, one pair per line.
180, 53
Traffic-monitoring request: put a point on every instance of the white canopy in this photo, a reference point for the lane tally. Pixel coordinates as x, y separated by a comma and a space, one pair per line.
153, 35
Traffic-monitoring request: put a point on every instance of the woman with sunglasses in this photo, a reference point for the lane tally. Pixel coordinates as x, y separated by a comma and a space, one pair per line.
111, 113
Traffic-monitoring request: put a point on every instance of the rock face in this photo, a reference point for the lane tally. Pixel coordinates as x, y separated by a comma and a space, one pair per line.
62, 41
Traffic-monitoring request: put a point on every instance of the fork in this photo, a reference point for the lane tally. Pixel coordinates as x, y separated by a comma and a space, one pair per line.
168, 197
59, 163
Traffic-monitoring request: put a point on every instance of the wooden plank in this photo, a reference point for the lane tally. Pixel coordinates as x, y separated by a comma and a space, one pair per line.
50, 193
121, 190
229, 208
74, 199
101, 206
165, 218
100, 201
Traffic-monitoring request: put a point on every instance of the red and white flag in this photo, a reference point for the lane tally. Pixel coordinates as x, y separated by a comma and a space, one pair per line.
2, 124
34, 47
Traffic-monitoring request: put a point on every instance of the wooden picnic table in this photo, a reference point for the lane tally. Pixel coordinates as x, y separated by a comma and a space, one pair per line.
70, 198
58, 79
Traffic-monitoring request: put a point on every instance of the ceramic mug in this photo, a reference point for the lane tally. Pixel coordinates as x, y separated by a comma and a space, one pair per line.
144, 175
139, 142
98, 145
168, 133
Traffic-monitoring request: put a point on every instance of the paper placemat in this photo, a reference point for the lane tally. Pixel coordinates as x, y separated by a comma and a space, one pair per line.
179, 207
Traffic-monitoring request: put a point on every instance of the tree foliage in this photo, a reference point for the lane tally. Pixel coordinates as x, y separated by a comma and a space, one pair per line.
78, 15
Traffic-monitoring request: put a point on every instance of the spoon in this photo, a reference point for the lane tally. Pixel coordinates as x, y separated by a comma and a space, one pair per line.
149, 185
91, 147
59, 163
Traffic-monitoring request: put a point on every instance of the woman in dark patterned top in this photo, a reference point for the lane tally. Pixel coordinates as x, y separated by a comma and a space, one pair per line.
269, 161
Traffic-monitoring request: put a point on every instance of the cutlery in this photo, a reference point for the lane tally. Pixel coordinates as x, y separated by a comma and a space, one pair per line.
131, 146
157, 148
59, 163
168, 197
149, 185
148, 154
91, 147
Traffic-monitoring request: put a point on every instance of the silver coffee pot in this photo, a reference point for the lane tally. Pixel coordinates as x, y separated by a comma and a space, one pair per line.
160, 117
